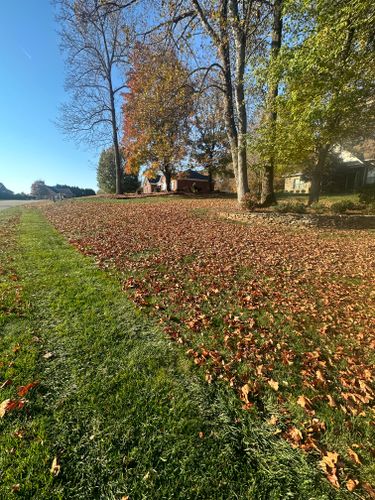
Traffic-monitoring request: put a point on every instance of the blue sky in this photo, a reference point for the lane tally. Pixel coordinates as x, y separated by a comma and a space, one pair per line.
31, 89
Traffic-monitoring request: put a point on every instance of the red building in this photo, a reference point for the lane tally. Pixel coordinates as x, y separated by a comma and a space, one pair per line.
188, 181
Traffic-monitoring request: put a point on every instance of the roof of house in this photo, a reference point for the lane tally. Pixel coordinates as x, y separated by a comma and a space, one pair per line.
154, 180
62, 190
193, 174
294, 174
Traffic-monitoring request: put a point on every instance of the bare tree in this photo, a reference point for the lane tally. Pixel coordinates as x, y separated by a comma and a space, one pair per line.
233, 28
95, 41
209, 141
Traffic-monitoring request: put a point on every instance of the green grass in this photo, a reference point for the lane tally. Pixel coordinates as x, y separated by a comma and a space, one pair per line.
118, 404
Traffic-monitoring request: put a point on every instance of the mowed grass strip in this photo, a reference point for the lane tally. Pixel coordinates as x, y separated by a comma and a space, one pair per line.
119, 406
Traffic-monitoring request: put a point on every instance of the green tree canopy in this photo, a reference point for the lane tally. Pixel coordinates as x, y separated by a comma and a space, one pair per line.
328, 83
106, 174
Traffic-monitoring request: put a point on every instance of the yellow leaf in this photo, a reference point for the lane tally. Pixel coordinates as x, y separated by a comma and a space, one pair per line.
272, 420
4, 407
330, 459
319, 376
245, 389
55, 467
272, 383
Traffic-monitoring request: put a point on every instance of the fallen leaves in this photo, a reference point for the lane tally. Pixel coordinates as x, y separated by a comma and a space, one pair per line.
250, 303
24, 389
351, 484
10, 405
294, 436
304, 402
273, 384
329, 466
55, 467
354, 456
4, 407
48, 355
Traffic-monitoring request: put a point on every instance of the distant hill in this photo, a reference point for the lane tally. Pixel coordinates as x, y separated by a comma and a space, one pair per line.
7, 194
4, 190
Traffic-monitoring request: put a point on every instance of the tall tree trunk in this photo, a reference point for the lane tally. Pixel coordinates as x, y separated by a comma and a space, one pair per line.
119, 173
168, 177
239, 92
314, 193
229, 120
209, 169
316, 175
267, 192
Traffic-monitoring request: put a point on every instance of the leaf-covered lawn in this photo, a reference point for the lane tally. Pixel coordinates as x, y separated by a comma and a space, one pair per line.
283, 315
97, 403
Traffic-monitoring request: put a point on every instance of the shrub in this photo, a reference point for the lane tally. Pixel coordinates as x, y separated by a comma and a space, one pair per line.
343, 206
367, 194
297, 208
249, 202
370, 208
318, 207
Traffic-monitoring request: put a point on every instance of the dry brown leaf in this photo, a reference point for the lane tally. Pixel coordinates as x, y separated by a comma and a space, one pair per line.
328, 464
245, 389
330, 459
352, 484
4, 406
320, 377
304, 402
353, 455
369, 489
294, 436
24, 389
331, 401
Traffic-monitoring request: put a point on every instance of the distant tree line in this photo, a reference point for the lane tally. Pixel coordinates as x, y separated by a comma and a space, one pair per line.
77, 191
40, 190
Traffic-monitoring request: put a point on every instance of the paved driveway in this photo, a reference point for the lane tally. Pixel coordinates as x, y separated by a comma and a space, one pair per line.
14, 203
